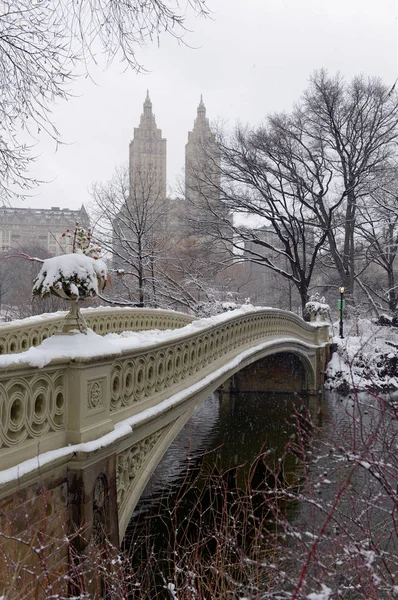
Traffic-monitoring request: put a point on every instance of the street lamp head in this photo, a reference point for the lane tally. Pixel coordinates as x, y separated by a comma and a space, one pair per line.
341, 290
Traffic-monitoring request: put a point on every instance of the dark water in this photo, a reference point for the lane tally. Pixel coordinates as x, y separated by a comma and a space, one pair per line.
210, 466
225, 432
211, 457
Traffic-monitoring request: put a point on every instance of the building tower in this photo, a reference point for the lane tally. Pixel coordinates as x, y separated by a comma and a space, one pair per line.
147, 165
202, 162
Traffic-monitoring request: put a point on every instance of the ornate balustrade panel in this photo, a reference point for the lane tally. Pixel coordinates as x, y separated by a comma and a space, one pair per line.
20, 335
33, 412
142, 379
80, 400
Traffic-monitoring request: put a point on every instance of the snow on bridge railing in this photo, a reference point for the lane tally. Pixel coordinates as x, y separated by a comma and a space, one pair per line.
19, 335
75, 389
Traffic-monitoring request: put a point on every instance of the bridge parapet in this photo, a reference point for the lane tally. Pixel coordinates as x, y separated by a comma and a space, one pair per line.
143, 378
20, 335
80, 400
33, 409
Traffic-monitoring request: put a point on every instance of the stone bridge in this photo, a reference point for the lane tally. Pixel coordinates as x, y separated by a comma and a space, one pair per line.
87, 433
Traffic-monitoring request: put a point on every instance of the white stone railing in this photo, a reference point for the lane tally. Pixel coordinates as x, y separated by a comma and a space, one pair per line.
18, 336
72, 401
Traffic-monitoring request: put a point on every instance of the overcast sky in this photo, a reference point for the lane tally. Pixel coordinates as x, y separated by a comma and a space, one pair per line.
251, 58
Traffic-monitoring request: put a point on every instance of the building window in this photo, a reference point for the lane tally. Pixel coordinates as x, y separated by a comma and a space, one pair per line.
57, 244
5, 240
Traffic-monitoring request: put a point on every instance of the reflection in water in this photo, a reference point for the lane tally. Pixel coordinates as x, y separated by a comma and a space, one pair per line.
181, 519
225, 431
356, 441
189, 489
191, 441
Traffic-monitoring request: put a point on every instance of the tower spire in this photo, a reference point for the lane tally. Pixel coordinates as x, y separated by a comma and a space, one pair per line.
148, 156
201, 110
147, 105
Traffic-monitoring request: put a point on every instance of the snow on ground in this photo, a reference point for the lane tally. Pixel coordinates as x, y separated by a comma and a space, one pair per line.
325, 594
367, 357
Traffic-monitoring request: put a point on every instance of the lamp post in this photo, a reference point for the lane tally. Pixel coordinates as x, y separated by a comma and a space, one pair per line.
340, 305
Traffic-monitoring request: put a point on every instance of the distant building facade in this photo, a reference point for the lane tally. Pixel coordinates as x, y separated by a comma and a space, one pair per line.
148, 175
24, 228
202, 162
264, 286
148, 151
150, 226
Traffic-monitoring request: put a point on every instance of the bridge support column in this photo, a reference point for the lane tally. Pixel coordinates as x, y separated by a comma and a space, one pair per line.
89, 401
92, 507
92, 498
316, 394
322, 359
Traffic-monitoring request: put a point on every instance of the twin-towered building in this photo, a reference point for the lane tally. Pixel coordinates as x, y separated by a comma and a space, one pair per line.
32, 228
148, 160
147, 157
155, 236
146, 226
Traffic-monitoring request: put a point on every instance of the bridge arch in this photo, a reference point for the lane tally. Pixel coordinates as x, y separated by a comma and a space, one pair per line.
143, 457
116, 413
288, 369
136, 464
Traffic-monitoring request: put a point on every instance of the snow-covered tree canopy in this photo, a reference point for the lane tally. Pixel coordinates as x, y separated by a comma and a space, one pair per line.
71, 275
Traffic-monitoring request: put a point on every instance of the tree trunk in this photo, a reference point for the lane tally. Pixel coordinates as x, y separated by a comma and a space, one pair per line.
154, 302
349, 248
339, 263
140, 275
392, 295
303, 291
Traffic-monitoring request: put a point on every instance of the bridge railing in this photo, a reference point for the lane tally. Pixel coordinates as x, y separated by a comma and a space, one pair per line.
20, 335
72, 401
143, 378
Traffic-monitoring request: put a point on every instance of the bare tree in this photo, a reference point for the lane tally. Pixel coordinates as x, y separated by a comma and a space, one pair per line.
43, 47
154, 261
357, 126
131, 213
304, 175
192, 279
377, 230
262, 177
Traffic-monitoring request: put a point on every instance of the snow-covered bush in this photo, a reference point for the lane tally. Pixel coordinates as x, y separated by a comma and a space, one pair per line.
217, 303
366, 358
317, 307
71, 276
82, 241
215, 307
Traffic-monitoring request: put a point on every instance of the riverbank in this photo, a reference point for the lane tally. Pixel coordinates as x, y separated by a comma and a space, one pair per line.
366, 358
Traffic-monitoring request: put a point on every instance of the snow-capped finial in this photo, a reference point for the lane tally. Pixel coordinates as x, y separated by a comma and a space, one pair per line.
147, 99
